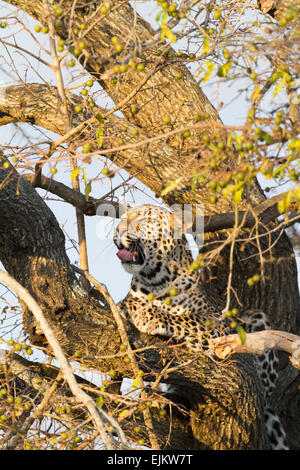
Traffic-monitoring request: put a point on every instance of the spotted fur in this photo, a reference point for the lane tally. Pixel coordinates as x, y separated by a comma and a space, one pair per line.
160, 264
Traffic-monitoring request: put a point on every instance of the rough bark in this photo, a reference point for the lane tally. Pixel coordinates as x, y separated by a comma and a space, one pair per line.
223, 415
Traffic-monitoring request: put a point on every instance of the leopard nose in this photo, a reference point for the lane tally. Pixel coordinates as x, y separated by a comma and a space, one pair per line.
121, 240
124, 241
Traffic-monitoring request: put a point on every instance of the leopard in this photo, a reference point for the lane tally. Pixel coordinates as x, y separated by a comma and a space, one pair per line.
169, 298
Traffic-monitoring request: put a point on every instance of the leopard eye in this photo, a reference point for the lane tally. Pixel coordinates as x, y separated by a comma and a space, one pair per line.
132, 236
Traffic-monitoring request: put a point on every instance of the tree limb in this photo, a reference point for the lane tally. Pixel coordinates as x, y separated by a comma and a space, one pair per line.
39, 105
75, 198
257, 343
264, 213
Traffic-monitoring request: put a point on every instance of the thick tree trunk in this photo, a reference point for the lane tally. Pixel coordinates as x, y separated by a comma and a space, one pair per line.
222, 415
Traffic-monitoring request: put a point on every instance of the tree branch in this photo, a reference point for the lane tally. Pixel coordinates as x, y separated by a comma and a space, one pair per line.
39, 105
257, 343
264, 213
75, 198
123, 333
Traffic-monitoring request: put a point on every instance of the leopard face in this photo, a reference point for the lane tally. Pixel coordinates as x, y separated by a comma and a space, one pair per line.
145, 239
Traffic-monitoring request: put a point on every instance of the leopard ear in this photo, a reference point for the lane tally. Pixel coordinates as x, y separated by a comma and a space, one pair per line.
111, 209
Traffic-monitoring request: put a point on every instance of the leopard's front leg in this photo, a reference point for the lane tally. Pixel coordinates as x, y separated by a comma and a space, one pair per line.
152, 320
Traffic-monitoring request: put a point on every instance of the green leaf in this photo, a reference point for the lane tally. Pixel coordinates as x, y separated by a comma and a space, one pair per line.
136, 383
285, 203
297, 193
99, 118
267, 137
279, 87
164, 19
229, 140
255, 93
166, 32
210, 66
99, 137
238, 139
123, 413
75, 173
281, 206
100, 401
170, 35
206, 44
237, 195
242, 334
87, 190
159, 15
84, 175
170, 187
224, 69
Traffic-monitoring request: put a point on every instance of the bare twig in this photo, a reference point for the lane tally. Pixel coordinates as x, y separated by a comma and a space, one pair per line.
15, 439
75, 198
264, 213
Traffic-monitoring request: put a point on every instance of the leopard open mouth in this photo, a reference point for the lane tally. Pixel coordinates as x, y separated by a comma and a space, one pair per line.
132, 254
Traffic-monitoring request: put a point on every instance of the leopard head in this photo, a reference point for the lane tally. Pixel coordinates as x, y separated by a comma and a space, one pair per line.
146, 241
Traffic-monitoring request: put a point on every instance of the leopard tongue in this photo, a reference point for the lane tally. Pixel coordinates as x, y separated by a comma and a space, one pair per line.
126, 256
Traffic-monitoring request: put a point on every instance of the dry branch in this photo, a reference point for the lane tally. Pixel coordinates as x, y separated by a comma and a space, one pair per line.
77, 199
263, 213
122, 330
39, 105
257, 343
67, 121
